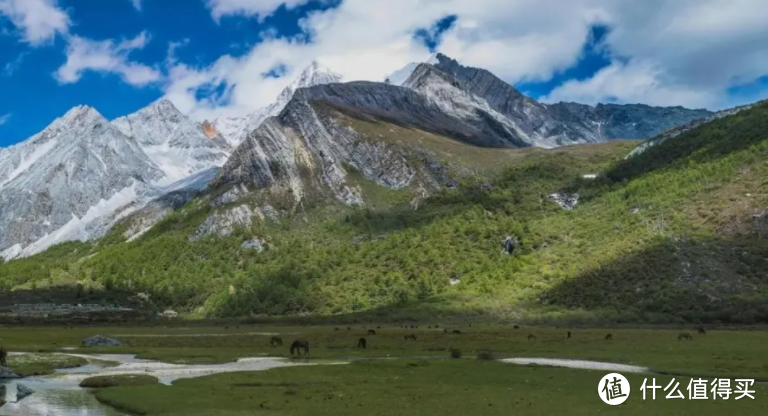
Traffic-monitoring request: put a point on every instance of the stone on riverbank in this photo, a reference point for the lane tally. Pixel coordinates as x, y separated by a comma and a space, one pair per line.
101, 341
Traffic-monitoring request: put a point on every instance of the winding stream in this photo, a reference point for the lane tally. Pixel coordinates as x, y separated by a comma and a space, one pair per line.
60, 394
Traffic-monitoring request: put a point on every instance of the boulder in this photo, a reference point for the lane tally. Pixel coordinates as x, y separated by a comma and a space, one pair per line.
254, 244
6, 372
101, 341
508, 246
23, 392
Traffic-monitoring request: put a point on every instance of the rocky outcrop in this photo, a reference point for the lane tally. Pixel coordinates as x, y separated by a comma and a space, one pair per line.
101, 341
253, 244
22, 392
566, 201
224, 223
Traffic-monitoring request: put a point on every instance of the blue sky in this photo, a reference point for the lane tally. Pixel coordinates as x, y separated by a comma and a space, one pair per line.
229, 57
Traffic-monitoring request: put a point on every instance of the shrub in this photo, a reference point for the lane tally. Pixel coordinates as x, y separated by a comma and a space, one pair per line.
485, 355
455, 353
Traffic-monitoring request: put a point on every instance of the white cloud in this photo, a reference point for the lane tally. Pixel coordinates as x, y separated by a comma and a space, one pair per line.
663, 52
136, 4
106, 57
261, 8
4, 118
38, 20
11, 66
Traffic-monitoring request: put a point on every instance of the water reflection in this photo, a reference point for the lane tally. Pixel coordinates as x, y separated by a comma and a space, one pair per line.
52, 398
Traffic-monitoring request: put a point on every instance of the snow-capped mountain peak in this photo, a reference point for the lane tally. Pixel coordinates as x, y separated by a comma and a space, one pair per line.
401, 75
235, 129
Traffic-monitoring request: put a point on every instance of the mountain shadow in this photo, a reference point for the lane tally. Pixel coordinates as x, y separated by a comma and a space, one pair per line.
689, 279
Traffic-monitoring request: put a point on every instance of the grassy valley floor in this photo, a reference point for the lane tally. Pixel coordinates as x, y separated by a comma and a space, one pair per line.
398, 376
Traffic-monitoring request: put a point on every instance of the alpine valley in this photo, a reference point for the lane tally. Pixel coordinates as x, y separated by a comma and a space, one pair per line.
394, 198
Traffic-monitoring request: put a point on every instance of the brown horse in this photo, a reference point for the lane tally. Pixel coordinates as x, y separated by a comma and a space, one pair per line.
684, 335
371, 332
298, 345
609, 336
456, 331
362, 343
276, 341
3, 357
531, 337
410, 336
701, 330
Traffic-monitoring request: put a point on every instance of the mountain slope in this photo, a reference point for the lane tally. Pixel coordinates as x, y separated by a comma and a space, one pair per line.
60, 180
651, 239
179, 146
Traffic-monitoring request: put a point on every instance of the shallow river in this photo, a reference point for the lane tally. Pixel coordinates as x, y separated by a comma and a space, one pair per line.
60, 394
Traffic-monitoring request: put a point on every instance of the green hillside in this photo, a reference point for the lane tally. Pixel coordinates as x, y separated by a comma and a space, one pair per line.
668, 235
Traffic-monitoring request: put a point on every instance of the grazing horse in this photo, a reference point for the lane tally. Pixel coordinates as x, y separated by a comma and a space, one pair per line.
410, 336
684, 335
531, 337
3, 357
516, 327
276, 341
609, 336
300, 344
362, 343
701, 330
336, 329
569, 334
456, 331
349, 329
371, 332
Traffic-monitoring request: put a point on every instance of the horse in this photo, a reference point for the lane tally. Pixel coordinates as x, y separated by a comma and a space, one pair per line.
516, 327
684, 335
362, 343
410, 336
456, 331
336, 329
701, 330
276, 341
371, 332
531, 337
349, 329
298, 345
569, 334
609, 336
3, 357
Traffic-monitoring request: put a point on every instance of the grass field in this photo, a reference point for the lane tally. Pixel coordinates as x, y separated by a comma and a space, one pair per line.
419, 378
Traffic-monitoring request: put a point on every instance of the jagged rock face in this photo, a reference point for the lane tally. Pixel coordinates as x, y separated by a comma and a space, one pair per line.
76, 169
224, 223
178, 145
236, 129
567, 123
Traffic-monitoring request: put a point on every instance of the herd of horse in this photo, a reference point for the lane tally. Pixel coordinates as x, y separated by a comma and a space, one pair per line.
298, 345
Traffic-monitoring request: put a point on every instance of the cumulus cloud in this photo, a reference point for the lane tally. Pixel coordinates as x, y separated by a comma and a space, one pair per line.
106, 57
260, 8
4, 118
662, 52
38, 21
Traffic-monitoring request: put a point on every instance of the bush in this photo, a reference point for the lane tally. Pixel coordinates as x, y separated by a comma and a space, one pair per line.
485, 355
98, 382
455, 353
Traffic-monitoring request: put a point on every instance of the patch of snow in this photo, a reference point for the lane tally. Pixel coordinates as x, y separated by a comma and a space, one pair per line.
30, 160
589, 176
